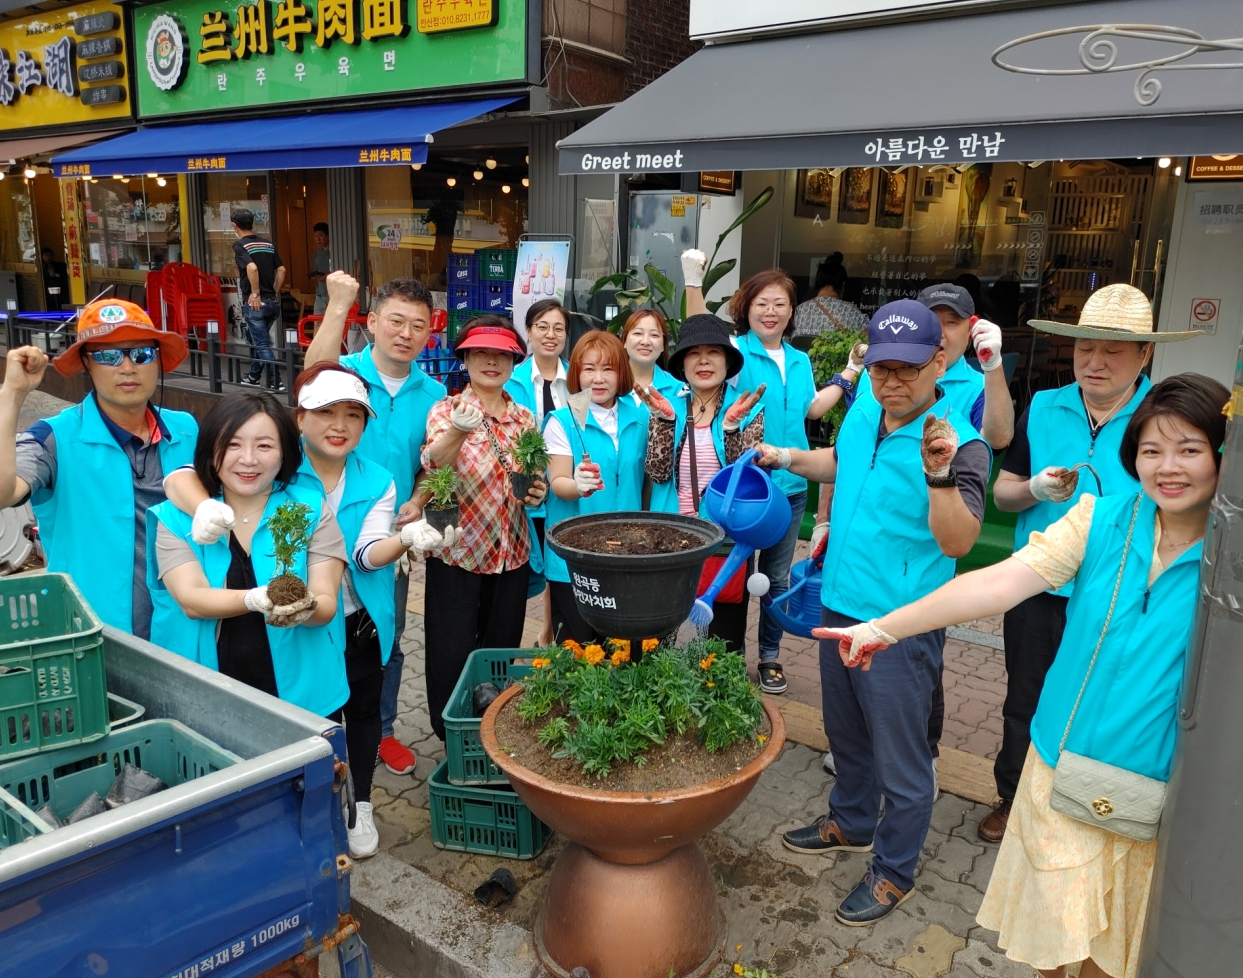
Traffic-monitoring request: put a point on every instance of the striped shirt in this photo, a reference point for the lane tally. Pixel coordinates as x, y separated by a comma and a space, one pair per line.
253, 248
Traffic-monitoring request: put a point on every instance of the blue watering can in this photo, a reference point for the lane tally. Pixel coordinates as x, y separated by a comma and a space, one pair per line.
752, 511
798, 609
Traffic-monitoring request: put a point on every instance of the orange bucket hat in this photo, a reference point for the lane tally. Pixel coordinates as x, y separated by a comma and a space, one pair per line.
118, 321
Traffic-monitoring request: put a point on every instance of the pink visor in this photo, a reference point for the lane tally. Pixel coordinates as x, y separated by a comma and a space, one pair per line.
491, 338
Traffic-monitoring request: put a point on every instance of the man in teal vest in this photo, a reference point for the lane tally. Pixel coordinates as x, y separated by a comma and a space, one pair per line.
910, 475
1081, 423
94, 470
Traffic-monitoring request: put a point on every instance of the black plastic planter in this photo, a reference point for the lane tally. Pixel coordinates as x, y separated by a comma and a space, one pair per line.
636, 596
438, 519
520, 483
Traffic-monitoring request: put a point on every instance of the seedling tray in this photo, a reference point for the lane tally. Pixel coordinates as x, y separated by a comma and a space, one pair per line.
488, 821
467, 761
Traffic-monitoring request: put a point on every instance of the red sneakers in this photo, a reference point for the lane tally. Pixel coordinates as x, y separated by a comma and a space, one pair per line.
397, 757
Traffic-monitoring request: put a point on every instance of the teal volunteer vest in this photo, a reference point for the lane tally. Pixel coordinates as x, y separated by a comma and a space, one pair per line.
87, 521
621, 468
785, 402
888, 556
1129, 713
309, 662
665, 494
365, 484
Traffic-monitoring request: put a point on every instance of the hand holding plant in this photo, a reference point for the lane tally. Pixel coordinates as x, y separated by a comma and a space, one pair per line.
291, 528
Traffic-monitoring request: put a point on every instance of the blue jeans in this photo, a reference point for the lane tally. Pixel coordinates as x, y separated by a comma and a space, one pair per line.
877, 722
396, 662
774, 563
258, 325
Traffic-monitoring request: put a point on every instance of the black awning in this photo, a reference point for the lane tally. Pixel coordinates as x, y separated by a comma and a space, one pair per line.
1070, 81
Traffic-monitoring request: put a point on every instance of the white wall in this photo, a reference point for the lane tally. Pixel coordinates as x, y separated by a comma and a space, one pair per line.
715, 215
1202, 265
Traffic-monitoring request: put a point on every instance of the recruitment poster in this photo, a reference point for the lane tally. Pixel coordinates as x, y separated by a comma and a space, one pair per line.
540, 274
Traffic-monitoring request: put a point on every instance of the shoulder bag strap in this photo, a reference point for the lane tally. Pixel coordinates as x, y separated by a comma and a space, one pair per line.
1126, 549
819, 305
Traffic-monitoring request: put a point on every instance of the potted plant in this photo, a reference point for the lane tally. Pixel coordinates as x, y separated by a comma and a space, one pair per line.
442, 508
291, 529
529, 455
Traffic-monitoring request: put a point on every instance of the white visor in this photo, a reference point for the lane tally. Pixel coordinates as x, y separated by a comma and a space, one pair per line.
331, 387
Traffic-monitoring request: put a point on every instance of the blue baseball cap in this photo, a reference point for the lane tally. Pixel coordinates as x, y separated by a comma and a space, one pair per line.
905, 330
948, 294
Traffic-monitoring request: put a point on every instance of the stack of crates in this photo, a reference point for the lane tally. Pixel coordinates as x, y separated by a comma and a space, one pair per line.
496, 278
473, 807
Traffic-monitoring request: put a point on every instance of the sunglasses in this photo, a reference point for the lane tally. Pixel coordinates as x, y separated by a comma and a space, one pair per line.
139, 356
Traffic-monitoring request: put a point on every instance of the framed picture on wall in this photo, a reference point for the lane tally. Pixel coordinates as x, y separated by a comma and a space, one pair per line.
813, 195
891, 199
854, 206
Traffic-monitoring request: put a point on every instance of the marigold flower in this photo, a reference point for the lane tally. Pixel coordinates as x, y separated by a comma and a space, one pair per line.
650, 643
574, 647
621, 655
706, 664
761, 738
594, 654
619, 643
540, 663
738, 968
710, 685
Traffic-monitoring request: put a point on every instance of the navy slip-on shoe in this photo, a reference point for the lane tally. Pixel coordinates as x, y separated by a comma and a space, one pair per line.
874, 898
822, 836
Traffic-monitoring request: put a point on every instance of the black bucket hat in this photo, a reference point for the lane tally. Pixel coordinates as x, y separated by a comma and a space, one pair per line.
705, 329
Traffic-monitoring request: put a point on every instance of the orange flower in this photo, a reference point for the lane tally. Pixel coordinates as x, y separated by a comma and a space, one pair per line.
619, 643
621, 655
540, 663
650, 643
594, 654
574, 647
706, 664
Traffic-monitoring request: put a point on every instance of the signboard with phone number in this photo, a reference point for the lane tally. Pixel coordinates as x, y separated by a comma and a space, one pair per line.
223, 960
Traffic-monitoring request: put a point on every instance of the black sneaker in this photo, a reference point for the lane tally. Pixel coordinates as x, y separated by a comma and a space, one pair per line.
772, 677
873, 899
249, 381
279, 388
822, 836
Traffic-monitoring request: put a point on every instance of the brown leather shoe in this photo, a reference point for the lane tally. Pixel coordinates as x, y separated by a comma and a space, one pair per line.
993, 826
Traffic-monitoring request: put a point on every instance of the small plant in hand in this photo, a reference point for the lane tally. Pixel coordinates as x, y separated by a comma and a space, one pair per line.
599, 709
442, 509
291, 529
529, 455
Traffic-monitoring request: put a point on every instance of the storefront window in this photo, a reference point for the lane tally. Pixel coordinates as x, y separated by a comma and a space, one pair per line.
225, 193
133, 223
17, 225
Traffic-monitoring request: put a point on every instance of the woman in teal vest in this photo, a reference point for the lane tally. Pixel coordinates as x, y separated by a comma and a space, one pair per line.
597, 463
645, 336
704, 362
1065, 890
210, 604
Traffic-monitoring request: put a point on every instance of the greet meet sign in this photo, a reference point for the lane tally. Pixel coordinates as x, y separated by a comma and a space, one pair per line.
203, 55
63, 67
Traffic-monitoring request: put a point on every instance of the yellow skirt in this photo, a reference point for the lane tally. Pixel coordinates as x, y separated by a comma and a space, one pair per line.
1063, 891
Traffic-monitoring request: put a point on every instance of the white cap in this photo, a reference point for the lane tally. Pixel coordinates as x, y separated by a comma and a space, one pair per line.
331, 387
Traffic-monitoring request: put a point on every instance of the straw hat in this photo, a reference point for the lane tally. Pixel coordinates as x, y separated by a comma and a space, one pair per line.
1116, 312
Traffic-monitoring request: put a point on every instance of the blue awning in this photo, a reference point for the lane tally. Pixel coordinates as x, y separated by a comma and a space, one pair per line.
371, 137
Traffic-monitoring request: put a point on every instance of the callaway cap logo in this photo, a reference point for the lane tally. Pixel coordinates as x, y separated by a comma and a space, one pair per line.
112, 314
895, 323
942, 294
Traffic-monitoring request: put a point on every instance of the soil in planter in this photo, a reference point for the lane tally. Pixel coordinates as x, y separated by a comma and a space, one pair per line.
626, 537
681, 762
286, 589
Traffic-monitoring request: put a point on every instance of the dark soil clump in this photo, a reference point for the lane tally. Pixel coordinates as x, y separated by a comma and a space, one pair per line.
286, 589
629, 537
681, 762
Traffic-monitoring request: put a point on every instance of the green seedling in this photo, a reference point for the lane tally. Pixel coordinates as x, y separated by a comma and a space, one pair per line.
442, 485
529, 452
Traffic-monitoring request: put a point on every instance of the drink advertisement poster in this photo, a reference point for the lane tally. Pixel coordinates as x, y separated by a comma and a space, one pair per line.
540, 274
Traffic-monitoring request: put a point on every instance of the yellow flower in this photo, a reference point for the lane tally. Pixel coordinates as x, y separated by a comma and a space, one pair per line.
594, 654
738, 969
650, 643
540, 663
761, 738
710, 685
706, 664
737, 947
621, 655
574, 647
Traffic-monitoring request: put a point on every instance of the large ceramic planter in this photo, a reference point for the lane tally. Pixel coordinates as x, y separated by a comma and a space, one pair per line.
632, 896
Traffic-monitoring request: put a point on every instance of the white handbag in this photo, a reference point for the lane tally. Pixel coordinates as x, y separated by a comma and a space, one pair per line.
1101, 794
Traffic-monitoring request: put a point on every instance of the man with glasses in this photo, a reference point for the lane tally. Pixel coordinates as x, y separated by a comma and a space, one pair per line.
94, 470
910, 475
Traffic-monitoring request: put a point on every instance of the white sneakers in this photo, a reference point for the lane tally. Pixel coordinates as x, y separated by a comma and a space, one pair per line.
364, 839
828, 765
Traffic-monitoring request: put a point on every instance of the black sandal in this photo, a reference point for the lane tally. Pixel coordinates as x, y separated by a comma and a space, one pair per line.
772, 677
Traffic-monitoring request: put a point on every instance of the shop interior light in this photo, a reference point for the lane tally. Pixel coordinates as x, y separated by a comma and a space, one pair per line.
526, 181
490, 163
1035, 163
161, 182
528, 159
30, 172
1164, 162
118, 177
416, 166
506, 188
452, 181
2, 174
478, 174
1178, 171
152, 176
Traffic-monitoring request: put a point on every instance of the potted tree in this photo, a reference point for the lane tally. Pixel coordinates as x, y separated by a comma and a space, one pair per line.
442, 508
529, 455
291, 529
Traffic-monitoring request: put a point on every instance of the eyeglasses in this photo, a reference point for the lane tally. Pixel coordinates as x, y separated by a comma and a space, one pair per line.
397, 324
546, 329
139, 356
909, 372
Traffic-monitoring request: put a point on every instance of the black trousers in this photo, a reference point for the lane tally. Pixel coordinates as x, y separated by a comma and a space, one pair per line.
936, 718
365, 674
467, 611
1033, 631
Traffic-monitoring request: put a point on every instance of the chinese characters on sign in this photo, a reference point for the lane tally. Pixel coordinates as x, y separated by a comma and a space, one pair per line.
1219, 213
206, 163
71, 209
435, 16
395, 154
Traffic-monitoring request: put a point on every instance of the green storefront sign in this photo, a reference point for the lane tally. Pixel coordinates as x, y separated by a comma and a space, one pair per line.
202, 56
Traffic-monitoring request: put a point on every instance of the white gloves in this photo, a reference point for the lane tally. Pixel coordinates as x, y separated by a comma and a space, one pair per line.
694, 263
858, 643
465, 417
288, 615
212, 520
256, 599
1054, 484
857, 353
987, 339
819, 534
421, 535
772, 457
587, 478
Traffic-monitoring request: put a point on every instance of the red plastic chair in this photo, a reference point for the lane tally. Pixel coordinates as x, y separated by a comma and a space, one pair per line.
308, 324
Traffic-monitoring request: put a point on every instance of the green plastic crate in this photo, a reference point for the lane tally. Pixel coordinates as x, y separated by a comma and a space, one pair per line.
52, 688
497, 264
467, 761
166, 748
488, 821
17, 822
457, 319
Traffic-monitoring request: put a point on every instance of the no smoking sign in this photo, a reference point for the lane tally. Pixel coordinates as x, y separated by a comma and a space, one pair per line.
1204, 314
